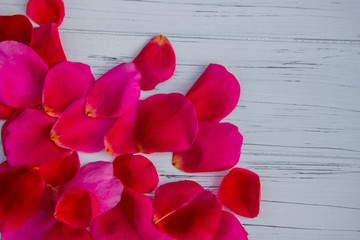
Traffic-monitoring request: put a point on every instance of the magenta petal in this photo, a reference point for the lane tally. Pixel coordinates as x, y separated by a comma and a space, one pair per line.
215, 94
76, 131
27, 139
6, 111
62, 231
114, 93
64, 83
4, 126
22, 74
230, 228
166, 123
98, 179
216, 148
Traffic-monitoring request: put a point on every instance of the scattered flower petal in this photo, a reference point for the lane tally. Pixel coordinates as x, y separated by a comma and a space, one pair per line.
15, 27
216, 148
156, 62
215, 94
6, 123
6, 111
230, 228
62, 231
46, 11
240, 192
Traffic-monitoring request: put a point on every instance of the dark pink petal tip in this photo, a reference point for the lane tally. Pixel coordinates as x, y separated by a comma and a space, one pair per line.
230, 228
46, 11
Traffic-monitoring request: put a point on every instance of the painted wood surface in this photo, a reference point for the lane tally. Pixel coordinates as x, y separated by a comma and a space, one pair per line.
298, 63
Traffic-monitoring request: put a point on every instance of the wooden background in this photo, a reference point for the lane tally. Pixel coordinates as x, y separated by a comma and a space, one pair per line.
298, 65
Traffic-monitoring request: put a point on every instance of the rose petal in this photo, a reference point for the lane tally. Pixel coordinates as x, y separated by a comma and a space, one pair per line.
4, 126
46, 42
6, 111
62, 231
216, 148
60, 171
21, 196
15, 27
130, 219
114, 93
46, 11
230, 228
184, 210
75, 130
240, 191
156, 62
77, 208
98, 178
120, 139
215, 94
22, 74
136, 172
166, 123
64, 83
27, 139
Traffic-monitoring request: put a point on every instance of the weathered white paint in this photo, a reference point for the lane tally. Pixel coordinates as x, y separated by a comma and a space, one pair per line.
298, 63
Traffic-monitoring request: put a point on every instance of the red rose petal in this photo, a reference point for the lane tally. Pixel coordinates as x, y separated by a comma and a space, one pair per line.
76, 131
215, 94
240, 192
114, 93
77, 208
15, 27
46, 11
184, 210
60, 171
137, 172
64, 83
46, 42
21, 196
156, 62
22, 74
130, 219
62, 231
27, 139
230, 228
216, 148
6, 111
166, 123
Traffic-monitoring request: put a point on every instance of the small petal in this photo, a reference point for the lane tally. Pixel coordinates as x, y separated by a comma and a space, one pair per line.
216, 148
62, 231
15, 27
22, 74
46, 42
79, 132
21, 196
184, 210
27, 139
156, 62
230, 228
77, 208
60, 171
166, 123
240, 192
64, 83
114, 93
136, 172
215, 94
46, 11
6, 111
98, 178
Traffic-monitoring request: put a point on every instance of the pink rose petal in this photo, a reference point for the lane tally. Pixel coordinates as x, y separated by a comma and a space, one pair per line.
4, 126
62, 231
15, 27
46, 11
230, 228
6, 111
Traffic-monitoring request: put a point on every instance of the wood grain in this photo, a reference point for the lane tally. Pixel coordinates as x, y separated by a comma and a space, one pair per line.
298, 63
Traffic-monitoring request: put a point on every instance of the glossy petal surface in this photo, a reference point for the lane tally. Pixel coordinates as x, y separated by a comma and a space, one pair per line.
136, 172
22, 74
15, 27
240, 192
156, 62
230, 228
217, 147
60, 171
184, 210
98, 178
79, 132
21, 196
166, 123
46, 42
62, 231
64, 83
46, 11
114, 93
27, 139
6, 111
215, 94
